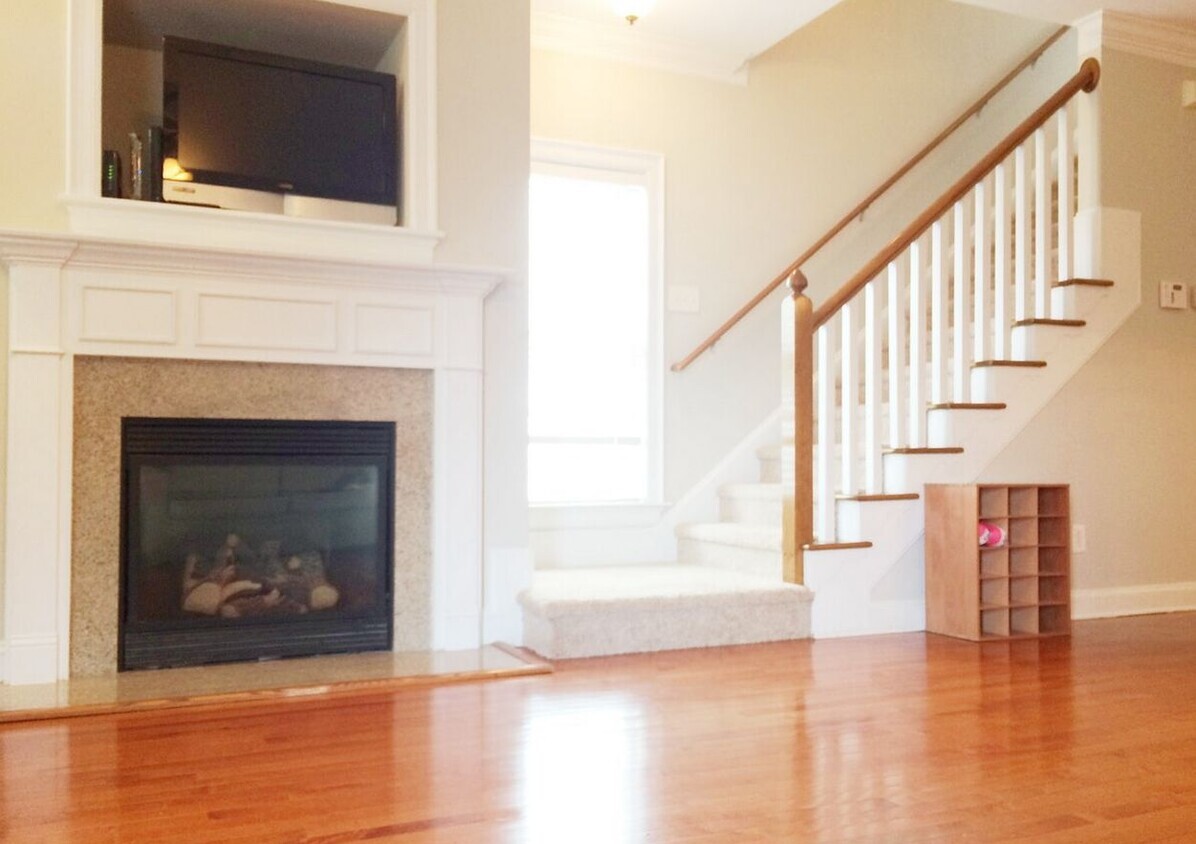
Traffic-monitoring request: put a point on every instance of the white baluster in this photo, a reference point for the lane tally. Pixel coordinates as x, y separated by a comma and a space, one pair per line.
824, 449
938, 314
1021, 235
896, 304
962, 275
1001, 264
849, 398
980, 324
917, 345
872, 381
1066, 165
1042, 225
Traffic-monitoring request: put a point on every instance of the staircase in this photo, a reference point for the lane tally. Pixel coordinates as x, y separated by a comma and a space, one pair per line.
925, 366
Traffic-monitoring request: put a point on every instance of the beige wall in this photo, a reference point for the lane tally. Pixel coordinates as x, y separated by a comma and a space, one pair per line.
1118, 431
32, 113
755, 174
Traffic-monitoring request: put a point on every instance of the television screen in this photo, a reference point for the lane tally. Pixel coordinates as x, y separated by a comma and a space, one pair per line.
256, 120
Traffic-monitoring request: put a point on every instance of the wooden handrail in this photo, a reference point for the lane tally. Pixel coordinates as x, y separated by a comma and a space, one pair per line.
1085, 80
868, 201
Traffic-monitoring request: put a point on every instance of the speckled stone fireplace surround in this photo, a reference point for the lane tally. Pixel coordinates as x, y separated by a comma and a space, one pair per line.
107, 389
99, 329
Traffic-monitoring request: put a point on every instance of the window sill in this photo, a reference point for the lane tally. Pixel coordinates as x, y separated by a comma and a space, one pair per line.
548, 517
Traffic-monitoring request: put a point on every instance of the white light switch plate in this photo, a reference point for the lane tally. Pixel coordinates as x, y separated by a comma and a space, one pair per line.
1173, 295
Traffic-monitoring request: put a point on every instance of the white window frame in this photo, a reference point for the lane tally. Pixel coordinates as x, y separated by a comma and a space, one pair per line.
645, 168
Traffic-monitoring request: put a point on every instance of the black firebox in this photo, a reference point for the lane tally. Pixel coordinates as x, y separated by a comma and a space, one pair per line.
247, 539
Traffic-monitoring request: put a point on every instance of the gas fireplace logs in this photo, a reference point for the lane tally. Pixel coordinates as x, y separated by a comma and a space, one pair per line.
237, 582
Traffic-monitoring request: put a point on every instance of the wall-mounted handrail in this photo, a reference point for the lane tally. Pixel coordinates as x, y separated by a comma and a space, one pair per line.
869, 200
1086, 80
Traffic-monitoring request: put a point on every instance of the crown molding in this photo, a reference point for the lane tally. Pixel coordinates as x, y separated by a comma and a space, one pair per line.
1153, 39
618, 42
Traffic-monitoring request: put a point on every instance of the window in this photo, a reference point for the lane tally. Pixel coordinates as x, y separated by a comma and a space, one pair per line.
594, 324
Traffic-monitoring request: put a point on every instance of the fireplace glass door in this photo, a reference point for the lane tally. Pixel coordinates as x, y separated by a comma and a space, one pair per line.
255, 539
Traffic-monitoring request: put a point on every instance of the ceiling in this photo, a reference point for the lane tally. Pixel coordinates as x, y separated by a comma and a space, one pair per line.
732, 32
1178, 12
716, 38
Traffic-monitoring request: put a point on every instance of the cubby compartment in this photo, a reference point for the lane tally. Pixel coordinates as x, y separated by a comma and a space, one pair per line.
1023, 501
1052, 532
1019, 589
994, 592
1023, 621
1053, 560
994, 562
1023, 591
1052, 501
1023, 533
994, 503
1053, 590
1023, 561
994, 622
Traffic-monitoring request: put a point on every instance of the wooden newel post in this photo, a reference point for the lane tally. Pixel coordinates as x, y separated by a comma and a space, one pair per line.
803, 427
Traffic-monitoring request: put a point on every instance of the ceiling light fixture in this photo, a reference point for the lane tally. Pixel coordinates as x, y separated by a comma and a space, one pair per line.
632, 10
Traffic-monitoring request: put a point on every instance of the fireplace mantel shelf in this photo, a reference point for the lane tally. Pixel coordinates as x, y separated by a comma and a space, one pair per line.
147, 256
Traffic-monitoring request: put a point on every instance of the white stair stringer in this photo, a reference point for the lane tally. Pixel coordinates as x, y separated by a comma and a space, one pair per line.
880, 589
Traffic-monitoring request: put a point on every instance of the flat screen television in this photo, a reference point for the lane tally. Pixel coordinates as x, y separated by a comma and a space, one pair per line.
245, 119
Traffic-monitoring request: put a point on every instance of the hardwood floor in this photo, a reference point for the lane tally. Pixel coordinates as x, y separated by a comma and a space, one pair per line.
910, 738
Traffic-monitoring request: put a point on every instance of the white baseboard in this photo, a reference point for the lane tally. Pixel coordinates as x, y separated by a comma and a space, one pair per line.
1133, 600
29, 660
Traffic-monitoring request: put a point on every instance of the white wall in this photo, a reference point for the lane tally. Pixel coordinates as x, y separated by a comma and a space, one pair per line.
484, 168
1118, 432
755, 174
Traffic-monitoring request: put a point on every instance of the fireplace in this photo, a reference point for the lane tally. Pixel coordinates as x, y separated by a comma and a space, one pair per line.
254, 539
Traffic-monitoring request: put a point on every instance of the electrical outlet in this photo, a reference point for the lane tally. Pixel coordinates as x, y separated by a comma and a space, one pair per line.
1173, 295
1079, 539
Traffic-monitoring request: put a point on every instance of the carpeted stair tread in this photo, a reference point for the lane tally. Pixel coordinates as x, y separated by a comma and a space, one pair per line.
761, 491
761, 537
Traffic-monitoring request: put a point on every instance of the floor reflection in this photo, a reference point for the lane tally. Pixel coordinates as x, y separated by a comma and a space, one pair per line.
582, 769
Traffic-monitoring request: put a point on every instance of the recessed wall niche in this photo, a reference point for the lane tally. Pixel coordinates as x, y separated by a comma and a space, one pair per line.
328, 31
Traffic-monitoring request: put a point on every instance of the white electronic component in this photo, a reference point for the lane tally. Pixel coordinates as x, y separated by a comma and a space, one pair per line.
1173, 295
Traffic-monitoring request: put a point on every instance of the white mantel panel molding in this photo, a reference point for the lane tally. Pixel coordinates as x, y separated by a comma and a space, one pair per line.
70, 296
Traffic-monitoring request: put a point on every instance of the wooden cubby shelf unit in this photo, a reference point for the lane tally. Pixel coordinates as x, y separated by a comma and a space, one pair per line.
1021, 589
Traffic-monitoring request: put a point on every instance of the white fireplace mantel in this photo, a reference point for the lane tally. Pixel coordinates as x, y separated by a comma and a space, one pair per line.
69, 296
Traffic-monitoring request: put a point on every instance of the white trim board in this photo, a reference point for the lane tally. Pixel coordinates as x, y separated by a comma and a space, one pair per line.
1112, 602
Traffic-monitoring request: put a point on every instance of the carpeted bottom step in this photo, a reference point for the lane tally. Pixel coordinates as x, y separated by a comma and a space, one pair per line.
570, 613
